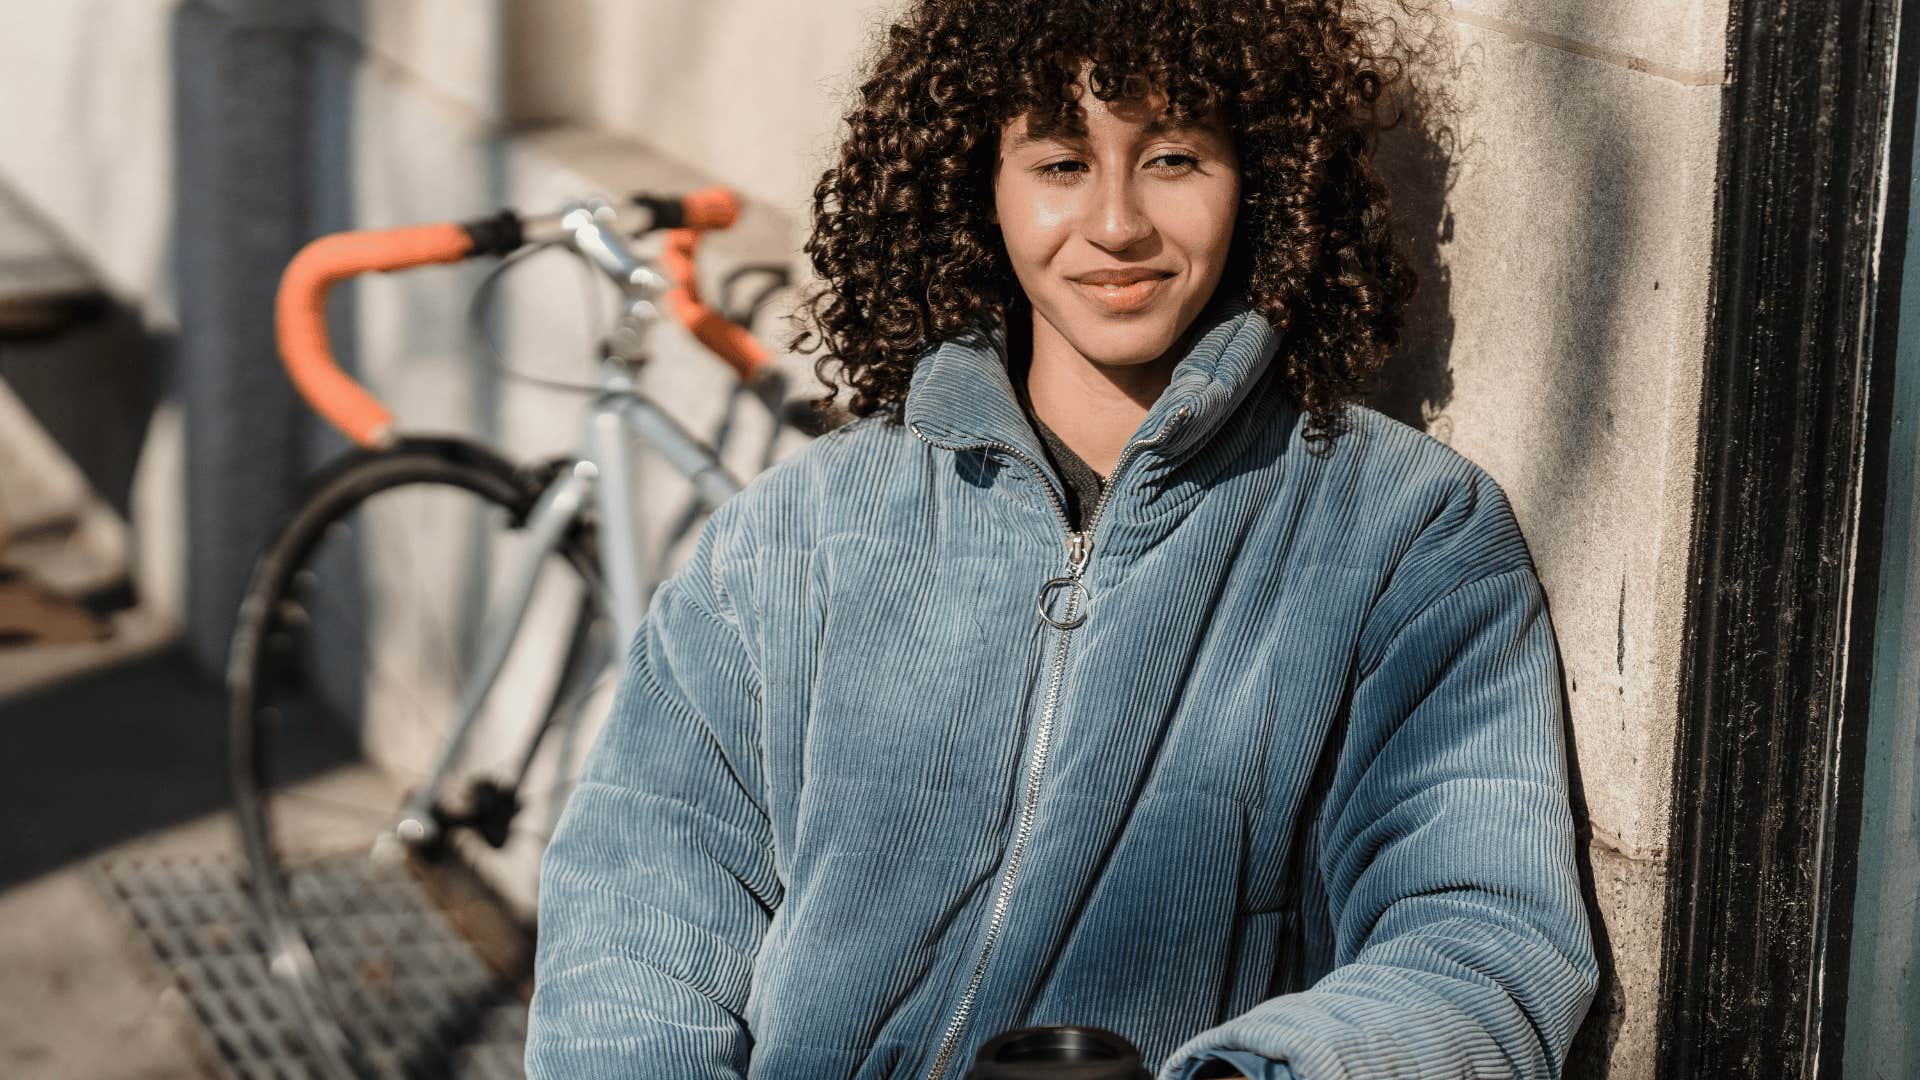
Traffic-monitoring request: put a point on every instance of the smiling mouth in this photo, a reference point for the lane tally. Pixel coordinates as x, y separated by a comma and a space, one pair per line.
1121, 298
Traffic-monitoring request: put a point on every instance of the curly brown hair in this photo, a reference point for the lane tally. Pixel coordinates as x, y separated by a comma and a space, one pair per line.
908, 256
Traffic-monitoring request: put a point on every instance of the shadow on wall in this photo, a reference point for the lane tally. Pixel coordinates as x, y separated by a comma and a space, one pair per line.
1418, 160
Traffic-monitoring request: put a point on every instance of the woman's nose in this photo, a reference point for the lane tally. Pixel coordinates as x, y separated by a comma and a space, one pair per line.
1117, 221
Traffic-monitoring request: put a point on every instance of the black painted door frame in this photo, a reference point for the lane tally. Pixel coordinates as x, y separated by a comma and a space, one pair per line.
1816, 135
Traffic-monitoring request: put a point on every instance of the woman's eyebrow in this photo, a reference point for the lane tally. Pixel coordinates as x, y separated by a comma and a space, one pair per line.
1158, 126
1025, 138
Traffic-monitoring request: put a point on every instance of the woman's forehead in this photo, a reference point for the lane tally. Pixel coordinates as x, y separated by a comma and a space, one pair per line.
1151, 115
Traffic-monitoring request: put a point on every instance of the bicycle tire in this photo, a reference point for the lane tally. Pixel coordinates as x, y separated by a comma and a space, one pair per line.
359, 1000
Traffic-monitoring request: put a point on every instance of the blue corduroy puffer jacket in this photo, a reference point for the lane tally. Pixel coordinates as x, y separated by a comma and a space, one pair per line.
1269, 762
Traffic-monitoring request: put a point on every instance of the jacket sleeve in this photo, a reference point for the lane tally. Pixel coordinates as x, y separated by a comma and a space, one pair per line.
660, 880
1461, 941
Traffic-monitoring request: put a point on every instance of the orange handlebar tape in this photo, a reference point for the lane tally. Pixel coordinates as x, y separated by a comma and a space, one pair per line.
729, 340
710, 208
300, 315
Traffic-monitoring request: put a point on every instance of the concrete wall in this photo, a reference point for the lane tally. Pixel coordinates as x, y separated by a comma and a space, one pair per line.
1562, 350
1560, 215
748, 90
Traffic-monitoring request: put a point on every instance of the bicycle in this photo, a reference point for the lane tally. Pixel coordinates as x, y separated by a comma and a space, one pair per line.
324, 657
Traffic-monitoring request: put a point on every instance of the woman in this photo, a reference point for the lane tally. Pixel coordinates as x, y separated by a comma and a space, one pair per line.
1115, 668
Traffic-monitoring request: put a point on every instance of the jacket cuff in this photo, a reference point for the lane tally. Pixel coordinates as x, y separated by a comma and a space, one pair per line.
1226, 1063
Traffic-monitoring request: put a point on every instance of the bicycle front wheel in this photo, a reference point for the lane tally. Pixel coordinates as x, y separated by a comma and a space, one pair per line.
405, 647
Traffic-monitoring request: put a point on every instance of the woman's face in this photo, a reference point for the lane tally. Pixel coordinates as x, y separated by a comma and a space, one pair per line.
1118, 237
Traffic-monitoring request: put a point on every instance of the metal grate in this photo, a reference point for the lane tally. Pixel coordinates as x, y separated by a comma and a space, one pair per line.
422, 1003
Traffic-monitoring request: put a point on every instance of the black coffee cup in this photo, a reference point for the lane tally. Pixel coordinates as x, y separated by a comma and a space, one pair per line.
1062, 1052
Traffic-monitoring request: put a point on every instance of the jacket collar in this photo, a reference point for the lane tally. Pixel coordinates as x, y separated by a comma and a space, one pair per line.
961, 397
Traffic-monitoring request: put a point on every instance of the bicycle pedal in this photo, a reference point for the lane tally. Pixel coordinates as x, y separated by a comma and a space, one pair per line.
493, 808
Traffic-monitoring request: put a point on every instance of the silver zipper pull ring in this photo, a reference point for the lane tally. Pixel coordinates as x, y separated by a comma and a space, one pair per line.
1079, 601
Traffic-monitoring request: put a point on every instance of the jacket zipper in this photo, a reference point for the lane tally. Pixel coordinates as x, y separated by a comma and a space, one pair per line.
1079, 550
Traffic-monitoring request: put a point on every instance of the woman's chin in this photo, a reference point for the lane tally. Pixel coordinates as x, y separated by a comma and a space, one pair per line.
1127, 347
1122, 341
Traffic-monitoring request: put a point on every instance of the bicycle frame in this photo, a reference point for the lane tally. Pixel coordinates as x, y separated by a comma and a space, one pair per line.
597, 480
600, 478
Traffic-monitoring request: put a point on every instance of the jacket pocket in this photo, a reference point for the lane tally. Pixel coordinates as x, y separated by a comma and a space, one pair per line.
1266, 955
1149, 953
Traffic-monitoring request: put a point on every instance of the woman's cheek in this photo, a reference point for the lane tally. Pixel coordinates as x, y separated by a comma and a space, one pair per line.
1051, 214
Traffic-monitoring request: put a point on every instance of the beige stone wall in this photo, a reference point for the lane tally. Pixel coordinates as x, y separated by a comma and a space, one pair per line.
751, 89
1560, 345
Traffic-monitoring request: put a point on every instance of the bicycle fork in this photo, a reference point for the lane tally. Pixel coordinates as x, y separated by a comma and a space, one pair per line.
602, 476
552, 514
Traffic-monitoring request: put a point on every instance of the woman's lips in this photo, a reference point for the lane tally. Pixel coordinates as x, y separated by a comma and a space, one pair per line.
1121, 299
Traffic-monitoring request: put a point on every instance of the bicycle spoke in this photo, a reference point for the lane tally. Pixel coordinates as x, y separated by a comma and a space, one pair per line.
435, 628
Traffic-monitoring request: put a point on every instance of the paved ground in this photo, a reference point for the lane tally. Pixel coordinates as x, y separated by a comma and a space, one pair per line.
115, 759
111, 749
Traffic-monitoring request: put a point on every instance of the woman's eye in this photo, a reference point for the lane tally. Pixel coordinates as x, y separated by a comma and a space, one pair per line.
1169, 164
1060, 171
